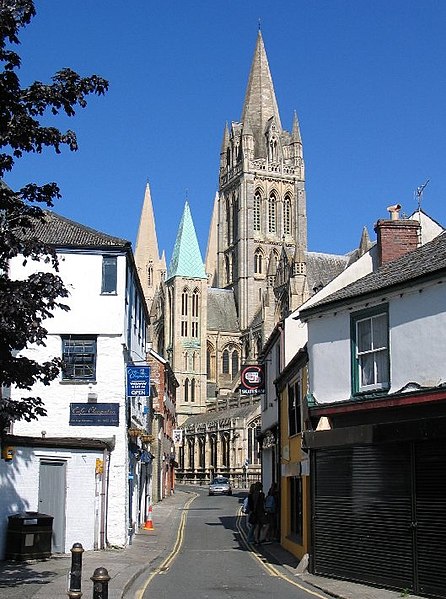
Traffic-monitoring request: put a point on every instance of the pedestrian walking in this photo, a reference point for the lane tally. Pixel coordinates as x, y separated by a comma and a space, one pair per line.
271, 507
257, 517
249, 513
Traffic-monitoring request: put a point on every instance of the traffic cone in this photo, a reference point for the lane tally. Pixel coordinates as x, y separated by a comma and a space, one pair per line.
149, 524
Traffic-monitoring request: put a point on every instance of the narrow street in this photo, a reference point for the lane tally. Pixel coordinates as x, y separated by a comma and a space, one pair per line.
211, 559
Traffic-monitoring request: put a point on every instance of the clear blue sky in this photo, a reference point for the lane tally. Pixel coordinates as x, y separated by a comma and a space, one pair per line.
368, 81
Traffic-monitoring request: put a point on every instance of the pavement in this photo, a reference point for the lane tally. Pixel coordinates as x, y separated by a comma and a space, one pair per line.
47, 579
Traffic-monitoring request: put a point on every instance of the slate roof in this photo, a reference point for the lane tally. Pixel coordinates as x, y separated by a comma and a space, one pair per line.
322, 268
423, 263
186, 257
231, 413
59, 231
222, 315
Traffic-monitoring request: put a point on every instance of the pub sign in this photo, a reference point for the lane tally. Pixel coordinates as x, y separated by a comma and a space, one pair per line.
252, 379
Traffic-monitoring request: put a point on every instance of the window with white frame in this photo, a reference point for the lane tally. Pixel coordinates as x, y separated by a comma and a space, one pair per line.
79, 358
370, 350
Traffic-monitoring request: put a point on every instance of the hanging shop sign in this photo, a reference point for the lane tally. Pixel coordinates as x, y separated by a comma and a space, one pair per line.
138, 381
94, 414
178, 436
252, 380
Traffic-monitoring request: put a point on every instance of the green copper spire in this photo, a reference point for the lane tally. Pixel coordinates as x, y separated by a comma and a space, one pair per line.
186, 258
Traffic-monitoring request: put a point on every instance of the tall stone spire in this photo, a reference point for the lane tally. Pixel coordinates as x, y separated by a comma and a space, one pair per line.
295, 133
211, 252
150, 267
186, 257
260, 99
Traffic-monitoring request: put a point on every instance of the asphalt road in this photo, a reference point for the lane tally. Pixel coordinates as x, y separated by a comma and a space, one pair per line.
211, 560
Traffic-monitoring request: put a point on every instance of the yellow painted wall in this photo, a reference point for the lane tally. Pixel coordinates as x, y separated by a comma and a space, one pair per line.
291, 458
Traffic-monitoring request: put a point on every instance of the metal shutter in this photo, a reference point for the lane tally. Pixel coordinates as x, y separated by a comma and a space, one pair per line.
430, 489
362, 514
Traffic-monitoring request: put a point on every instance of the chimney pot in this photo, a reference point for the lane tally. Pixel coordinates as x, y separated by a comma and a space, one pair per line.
394, 211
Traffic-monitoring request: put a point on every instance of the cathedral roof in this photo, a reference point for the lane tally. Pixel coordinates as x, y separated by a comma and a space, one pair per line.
428, 261
62, 232
222, 314
186, 258
322, 268
260, 99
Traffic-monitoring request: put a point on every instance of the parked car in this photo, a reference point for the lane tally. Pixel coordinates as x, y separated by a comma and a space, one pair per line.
220, 486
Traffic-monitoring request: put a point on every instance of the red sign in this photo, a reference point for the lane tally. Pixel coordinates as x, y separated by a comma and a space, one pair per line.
252, 380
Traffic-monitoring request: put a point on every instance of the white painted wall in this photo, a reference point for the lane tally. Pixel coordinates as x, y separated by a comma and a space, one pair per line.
19, 482
269, 402
417, 321
120, 328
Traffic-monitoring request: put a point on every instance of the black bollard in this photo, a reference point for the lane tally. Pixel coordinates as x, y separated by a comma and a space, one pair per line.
100, 579
75, 592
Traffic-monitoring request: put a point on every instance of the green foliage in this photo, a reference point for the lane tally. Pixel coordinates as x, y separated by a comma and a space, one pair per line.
25, 304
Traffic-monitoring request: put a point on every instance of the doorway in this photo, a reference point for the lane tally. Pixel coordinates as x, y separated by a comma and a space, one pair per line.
52, 492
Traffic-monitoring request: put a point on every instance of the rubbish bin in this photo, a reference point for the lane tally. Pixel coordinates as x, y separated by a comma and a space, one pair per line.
29, 536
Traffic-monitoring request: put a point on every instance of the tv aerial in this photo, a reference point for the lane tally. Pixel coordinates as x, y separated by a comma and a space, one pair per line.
419, 193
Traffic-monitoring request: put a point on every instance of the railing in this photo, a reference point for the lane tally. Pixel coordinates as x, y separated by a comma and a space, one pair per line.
238, 480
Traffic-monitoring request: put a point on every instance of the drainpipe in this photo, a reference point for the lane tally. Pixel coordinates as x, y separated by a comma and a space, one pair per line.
104, 499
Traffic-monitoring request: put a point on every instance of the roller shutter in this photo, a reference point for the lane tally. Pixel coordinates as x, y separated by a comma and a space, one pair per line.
362, 514
430, 489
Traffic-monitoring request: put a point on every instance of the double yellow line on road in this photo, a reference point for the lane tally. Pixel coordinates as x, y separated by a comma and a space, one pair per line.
176, 548
262, 560
270, 569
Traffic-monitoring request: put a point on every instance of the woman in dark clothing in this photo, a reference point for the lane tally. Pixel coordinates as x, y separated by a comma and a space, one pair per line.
258, 511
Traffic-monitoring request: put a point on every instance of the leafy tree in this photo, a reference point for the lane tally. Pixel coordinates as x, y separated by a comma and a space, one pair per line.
25, 304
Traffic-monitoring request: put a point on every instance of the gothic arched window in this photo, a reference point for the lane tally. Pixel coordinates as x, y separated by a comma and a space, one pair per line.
227, 269
287, 215
228, 221
192, 390
225, 362
272, 213
234, 217
195, 319
186, 390
258, 262
235, 367
150, 275
210, 362
257, 209
184, 301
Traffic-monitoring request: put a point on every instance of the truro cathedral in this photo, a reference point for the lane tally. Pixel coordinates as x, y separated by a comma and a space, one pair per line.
209, 318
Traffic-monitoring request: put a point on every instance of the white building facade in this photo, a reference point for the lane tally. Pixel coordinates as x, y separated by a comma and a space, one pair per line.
85, 462
377, 405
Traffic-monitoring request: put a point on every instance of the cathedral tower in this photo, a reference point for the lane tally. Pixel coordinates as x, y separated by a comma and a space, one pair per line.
261, 199
185, 321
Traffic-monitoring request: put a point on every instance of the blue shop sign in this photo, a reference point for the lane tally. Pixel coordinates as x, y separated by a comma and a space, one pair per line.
138, 381
94, 414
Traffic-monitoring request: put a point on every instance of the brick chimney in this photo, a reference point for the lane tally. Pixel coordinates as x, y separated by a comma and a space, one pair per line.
396, 237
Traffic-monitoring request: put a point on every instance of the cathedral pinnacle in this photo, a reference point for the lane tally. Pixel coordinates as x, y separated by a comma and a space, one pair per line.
186, 257
260, 99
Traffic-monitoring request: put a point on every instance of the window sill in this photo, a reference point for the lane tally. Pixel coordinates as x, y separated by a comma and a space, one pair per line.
371, 393
109, 293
